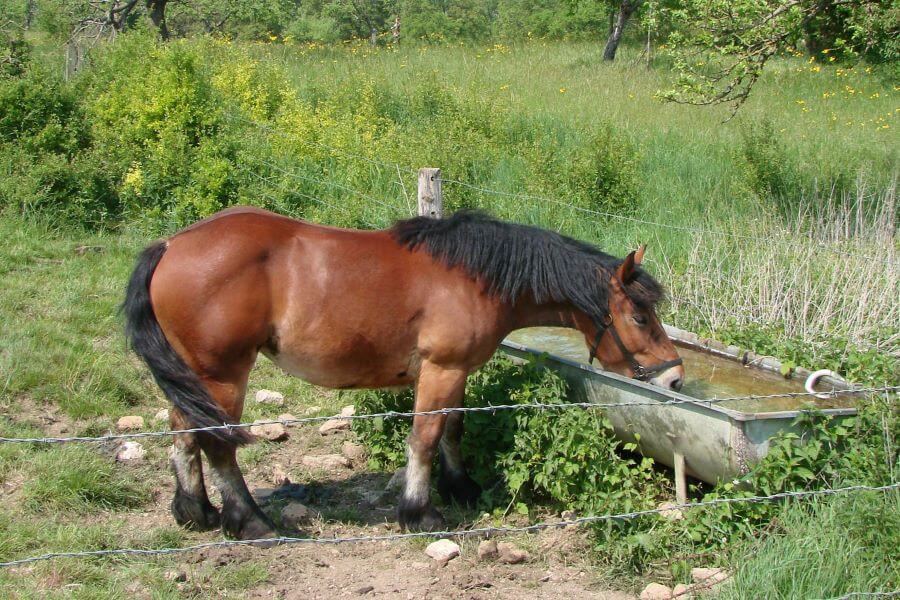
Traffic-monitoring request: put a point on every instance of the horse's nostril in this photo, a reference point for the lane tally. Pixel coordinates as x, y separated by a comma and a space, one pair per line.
676, 384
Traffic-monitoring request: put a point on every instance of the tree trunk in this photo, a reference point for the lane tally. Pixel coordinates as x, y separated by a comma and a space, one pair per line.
29, 13
157, 10
626, 10
395, 30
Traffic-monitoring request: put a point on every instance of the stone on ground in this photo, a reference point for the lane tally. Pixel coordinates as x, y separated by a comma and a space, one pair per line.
656, 591
287, 417
354, 452
511, 554
161, 415
272, 432
130, 422
442, 550
327, 462
709, 576
312, 410
295, 514
130, 451
682, 592
668, 511
177, 576
348, 411
270, 397
333, 426
262, 495
487, 550
397, 481
279, 475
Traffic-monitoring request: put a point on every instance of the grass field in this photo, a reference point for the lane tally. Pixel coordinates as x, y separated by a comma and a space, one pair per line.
804, 264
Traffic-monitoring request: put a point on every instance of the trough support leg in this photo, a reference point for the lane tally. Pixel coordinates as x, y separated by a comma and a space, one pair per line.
680, 479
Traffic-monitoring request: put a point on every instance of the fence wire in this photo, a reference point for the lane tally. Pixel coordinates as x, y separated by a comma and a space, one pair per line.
446, 411
891, 594
459, 533
699, 230
484, 190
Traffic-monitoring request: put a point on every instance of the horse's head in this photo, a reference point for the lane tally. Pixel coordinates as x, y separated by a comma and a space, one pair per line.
629, 339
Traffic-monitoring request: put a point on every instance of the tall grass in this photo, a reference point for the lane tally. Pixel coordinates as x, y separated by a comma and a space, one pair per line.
830, 269
823, 549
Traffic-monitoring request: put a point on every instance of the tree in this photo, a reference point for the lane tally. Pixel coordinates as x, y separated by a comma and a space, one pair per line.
626, 10
247, 18
357, 18
97, 18
720, 47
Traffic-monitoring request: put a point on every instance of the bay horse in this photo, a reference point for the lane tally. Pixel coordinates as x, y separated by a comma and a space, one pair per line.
423, 303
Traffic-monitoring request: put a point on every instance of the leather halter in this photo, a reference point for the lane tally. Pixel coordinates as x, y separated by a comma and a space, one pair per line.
641, 373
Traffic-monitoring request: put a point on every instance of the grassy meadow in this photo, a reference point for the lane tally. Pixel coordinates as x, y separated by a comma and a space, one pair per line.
774, 228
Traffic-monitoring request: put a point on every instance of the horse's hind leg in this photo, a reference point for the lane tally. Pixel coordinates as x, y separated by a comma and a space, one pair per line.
454, 482
241, 516
190, 505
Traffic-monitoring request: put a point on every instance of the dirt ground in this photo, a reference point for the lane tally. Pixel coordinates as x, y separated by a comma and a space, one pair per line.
354, 502
345, 501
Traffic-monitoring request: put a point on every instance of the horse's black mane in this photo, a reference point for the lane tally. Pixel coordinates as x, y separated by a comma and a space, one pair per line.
517, 260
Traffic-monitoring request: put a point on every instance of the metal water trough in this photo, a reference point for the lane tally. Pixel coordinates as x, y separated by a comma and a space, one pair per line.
706, 441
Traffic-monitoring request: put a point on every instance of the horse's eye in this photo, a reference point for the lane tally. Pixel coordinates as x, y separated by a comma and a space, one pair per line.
639, 319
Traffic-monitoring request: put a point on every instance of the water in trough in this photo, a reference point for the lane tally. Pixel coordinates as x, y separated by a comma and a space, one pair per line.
707, 376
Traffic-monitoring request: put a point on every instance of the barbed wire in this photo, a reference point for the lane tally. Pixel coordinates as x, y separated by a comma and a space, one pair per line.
519, 195
446, 411
338, 207
459, 533
334, 184
891, 594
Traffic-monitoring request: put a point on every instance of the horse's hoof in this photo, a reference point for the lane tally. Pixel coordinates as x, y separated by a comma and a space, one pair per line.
248, 527
424, 519
193, 514
463, 490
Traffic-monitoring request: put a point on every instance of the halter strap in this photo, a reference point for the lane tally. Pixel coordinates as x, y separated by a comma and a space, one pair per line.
641, 373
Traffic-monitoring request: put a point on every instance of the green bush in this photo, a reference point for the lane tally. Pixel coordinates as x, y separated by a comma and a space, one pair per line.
770, 172
827, 453
170, 142
606, 170
568, 458
46, 151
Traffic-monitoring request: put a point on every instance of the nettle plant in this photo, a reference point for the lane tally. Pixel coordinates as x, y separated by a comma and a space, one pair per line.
565, 458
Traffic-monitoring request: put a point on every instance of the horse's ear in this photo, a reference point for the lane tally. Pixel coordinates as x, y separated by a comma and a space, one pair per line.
626, 270
639, 255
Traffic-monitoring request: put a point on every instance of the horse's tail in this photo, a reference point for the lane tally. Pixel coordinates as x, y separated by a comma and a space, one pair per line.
180, 384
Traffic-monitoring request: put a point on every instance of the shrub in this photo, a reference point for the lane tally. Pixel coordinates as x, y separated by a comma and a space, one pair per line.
568, 458
606, 169
769, 169
46, 150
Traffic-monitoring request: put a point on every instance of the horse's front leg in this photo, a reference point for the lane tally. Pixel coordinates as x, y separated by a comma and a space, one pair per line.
436, 387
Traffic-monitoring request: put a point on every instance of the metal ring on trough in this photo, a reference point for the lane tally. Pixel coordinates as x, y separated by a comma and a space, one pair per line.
814, 377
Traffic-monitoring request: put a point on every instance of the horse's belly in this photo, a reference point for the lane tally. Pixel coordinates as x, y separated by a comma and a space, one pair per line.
347, 371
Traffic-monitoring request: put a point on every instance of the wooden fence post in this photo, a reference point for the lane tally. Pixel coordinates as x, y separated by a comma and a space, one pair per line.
431, 200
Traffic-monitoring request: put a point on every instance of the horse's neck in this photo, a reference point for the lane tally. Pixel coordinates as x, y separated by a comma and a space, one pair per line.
531, 314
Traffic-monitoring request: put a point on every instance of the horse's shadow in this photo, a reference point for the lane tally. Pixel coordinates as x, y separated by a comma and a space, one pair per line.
363, 499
